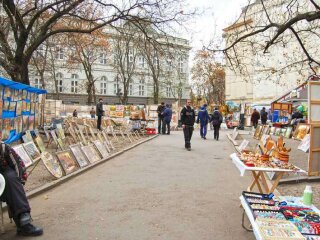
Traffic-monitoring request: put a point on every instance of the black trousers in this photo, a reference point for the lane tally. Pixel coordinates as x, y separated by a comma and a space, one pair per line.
165, 127
160, 124
14, 194
216, 129
99, 122
187, 131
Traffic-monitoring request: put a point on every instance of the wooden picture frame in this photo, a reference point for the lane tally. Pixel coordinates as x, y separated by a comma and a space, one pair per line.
21, 152
81, 158
314, 151
301, 130
40, 143
257, 132
101, 149
288, 132
91, 153
51, 164
67, 161
32, 150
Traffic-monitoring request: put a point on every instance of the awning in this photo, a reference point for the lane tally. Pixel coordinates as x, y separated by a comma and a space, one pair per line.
19, 86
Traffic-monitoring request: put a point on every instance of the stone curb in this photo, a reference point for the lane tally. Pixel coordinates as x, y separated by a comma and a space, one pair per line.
66, 178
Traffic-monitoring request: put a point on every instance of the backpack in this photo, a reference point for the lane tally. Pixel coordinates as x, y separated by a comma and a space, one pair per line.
14, 161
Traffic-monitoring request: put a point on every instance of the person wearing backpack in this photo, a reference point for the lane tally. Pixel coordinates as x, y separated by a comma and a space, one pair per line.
13, 170
203, 119
216, 122
188, 118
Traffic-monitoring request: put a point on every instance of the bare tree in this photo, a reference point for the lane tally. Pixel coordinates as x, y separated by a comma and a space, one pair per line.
208, 78
125, 52
271, 38
25, 25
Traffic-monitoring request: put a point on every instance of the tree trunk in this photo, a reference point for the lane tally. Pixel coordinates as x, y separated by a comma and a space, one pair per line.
89, 91
20, 73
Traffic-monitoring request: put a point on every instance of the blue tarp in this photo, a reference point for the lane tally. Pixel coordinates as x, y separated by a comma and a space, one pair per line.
15, 85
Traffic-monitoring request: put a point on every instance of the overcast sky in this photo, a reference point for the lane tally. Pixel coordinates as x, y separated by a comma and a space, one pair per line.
216, 15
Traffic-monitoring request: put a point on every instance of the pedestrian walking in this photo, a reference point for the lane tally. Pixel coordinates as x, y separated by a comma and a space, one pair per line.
160, 109
264, 116
167, 116
93, 113
203, 118
100, 113
187, 119
216, 122
75, 113
255, 118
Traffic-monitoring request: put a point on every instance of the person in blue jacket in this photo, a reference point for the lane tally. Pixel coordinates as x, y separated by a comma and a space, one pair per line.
203, 119
167, 115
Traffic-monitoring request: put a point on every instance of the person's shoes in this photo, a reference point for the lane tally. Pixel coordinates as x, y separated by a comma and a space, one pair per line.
189, 148
29, 230
168, 133
204, 138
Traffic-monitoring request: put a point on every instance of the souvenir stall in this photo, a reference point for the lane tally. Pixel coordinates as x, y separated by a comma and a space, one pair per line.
19, 109
233, 115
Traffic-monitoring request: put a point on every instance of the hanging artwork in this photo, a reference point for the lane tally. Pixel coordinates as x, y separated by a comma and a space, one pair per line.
7, 93
91, 153
52, 164
101, 149
79, 155
25, 122
31, 122
67, 161
12, 106
6, 128
32, 150
19, 108
19, 149
6, 104
18, 124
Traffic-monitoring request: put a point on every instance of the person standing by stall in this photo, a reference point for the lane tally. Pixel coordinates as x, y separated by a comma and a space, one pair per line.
160, 109
203, 119
167, 116
264, 116
188, 118
100, 112
216, 122
255, 118
75, 113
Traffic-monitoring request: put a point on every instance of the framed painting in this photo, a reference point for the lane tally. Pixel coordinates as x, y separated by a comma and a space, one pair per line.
91, 153
277, 132
32, 150
54, 137
25, 122
288, 132
40, 143
60, 133
12, 106
61, 144
6, 104
19, 108
257, 131
52, 164
6, 128
272, 130
67, 161
19, 149
301, 131
31, 122
7, 93
79, 155
101, 149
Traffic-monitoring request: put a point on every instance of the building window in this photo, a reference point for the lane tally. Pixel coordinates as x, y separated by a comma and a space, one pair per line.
169, 65
142, 81
103, 58
141, 90
130, 56
74, 76
115, 88
59, 53
40, 51
74, 86
37, 83
59, 77
103, 85
130, 89
181, 65
141, 62
168, 91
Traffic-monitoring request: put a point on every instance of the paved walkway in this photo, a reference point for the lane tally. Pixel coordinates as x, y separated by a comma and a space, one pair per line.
155, 191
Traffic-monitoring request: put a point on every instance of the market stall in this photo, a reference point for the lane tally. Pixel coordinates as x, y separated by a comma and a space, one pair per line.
280, 217
19, 109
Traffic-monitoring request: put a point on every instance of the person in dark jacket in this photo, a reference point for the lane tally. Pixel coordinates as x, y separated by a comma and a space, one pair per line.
264, 116
188, 118
14, 194
255, 118
297, 115
167, 116
75, 113
216, 122
203, 119
99, 112
160, 110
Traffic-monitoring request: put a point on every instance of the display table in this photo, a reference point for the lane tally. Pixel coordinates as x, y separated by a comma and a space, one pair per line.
259, 175
255, 228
